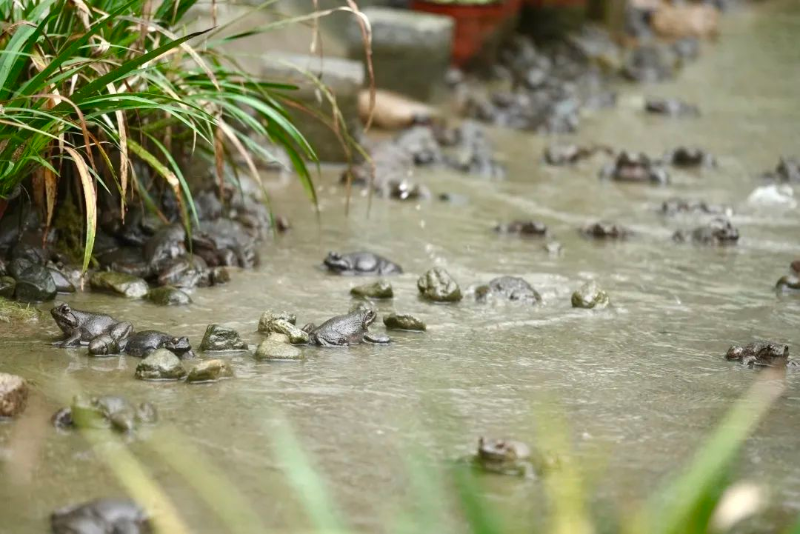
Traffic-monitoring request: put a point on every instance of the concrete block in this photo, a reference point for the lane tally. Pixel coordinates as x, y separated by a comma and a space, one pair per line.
410, 51
343, 77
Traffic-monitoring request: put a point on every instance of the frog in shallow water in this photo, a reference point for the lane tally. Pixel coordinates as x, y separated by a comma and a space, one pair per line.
344, 330
504, 456
141, 344
360, 263
105, 411
81, 327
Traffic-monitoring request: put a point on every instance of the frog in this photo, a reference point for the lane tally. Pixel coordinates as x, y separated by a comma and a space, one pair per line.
81, 327
510, 288
635, 167
719, 231
760, 354
522, 227
344, 330
107, 411
360, 263
606, 230
674, 206
141, 344
689, 157
503, 456
671, 107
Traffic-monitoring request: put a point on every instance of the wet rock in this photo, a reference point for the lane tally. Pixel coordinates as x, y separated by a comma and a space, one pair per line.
675, 206
509, 288
671, 107
605, 230
360, 263
35, 284
690, 157
396, 321
125, 285
13, 395
168, 243
787, 170
590, 296
168, 296
524, 228
34, 254
16, 267
473, 153
717, 232
271, 349
296, 335
210, 371
63, 285
789, 283
219, 276
377, 290
760, 354
160, 365
345, 330
505, 457
402, 190
7, 287
185, 273
265, 322
218, 338
103, 516
635, 167
650, 63
437, 285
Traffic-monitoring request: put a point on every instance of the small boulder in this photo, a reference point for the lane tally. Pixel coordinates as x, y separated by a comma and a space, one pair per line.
271, 349
282, 323
101, 516
265, 322
219, 338
122, 284
395, 321
210, 371
63, 285
7, 287
168, 296
13, 395
378, 290
35, 284
590, 296
510, 288
160, 365
437, 285
760, 354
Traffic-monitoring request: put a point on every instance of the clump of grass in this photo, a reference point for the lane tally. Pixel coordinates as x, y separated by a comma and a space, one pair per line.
11, 311
87, 87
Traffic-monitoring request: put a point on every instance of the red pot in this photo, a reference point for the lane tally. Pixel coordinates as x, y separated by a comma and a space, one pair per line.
474, 24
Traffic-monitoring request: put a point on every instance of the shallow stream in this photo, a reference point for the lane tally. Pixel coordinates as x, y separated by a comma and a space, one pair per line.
640, 384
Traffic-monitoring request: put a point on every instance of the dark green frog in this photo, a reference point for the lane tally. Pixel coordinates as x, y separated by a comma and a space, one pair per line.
344, 330
81, 327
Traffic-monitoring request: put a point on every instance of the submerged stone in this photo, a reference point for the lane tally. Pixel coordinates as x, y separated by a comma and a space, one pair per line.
220, 338
13, 395
209, 371
437, 285
160, 365
168, 296
590, 296
397, 321
125, 285
378, 290
103, 516
273, 349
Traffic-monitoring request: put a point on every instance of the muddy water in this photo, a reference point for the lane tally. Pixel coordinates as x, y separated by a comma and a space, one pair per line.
640, 384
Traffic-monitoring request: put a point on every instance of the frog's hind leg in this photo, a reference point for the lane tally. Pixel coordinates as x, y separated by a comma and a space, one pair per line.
121, 330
